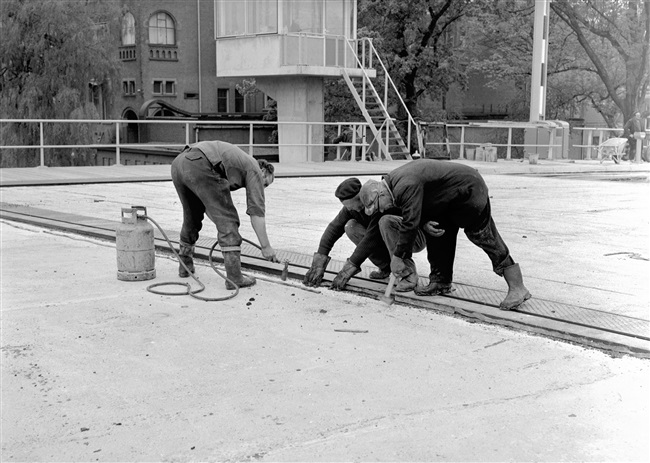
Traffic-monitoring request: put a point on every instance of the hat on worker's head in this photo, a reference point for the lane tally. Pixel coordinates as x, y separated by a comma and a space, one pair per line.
369, 192
348, 189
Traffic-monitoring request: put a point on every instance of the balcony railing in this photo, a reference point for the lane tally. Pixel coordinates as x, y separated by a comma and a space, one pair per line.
127, 53
109, 134
317, 50
163, 53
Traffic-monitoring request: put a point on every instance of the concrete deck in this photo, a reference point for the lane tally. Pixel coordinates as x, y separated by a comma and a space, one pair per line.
97, 369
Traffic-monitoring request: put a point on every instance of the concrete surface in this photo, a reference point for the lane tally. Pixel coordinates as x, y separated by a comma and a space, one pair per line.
583, 241
96, 369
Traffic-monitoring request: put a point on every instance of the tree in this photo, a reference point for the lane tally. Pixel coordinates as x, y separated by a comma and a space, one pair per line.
53, 55
615, 35
416, 39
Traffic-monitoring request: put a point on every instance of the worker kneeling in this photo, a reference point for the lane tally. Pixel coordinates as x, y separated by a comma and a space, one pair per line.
435, 199
204, 174
364, 231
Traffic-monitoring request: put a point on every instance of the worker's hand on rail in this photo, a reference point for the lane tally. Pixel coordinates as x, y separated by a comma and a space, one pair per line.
269, 254
431, 228
314, 276
342, 278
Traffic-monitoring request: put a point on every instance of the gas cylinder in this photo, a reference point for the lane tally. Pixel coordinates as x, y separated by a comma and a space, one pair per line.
134, 239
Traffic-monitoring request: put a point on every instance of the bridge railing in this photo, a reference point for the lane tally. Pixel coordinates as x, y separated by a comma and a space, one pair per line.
113, 135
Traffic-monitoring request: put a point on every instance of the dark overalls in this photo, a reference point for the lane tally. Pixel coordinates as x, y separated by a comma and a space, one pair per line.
455, 196
204, 175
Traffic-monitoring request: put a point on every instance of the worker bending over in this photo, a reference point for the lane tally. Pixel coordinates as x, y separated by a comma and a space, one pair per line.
441, 197
204, 174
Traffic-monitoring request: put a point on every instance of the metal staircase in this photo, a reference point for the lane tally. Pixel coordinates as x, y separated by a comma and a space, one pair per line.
387, 142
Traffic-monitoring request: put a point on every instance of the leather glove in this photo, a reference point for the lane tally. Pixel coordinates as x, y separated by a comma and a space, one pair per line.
315, 274
431, 228
348, 271
399, 267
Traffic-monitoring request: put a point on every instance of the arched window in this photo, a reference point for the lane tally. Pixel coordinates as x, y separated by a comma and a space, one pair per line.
128, 29
162, 30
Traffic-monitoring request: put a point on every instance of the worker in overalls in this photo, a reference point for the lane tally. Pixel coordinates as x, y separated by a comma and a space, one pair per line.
204, 174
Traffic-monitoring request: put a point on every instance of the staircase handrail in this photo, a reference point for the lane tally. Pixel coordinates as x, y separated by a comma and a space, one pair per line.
389, 79
367, 77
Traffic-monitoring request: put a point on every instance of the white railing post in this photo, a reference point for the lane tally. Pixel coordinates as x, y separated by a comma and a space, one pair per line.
250, 139
408, 135
551, 142
509, 150
600, 140
589, 138
338, 147
187, 133
309, 146
117, 144
386, 90
353, 153
42, 141
639, 147
387, 137
461, 155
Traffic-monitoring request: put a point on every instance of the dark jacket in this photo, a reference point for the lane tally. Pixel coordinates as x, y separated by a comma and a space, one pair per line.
336, 228
426, 189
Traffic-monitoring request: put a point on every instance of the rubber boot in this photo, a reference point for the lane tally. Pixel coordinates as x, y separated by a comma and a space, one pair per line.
434, 287
232, 262
517, 292
408, 283
185, 253
380, 274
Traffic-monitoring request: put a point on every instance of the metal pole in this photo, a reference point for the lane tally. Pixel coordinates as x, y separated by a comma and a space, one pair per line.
408, 134
309, 147
601, 134
639, 147
117, 144
540, 52
338, 148
551, 142
462, 143
40, 128
250, 139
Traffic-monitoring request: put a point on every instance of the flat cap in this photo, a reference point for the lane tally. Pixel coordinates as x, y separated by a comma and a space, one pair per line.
369, 192
349, 188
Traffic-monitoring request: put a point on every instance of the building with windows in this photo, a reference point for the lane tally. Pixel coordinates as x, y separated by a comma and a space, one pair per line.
187, 57
168, 67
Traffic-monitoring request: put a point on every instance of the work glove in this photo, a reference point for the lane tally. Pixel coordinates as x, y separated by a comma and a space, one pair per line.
341, 279
431, 228
315, 274
400, 267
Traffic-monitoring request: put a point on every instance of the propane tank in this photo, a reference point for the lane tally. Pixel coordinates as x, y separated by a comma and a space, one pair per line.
136, 257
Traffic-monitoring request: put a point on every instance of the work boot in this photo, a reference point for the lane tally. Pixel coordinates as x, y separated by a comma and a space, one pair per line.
409, 282
232, 262
434, 287
517, 292
185, 253
380, 274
